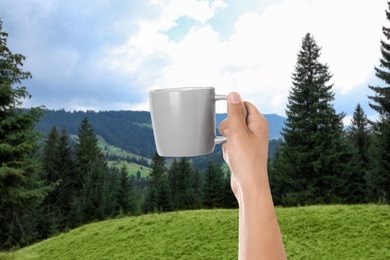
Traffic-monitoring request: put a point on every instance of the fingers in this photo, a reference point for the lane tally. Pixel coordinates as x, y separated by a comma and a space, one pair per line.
238, 120
236, 113
223, 127
256, 122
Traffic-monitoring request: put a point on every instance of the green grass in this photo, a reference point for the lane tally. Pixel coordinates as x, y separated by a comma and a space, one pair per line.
315, 232
132, 168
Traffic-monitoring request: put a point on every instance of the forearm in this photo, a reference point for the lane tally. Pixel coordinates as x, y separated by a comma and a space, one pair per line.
259, 233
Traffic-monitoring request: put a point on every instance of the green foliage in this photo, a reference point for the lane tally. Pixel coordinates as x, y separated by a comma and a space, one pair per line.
378, 176
325, 232
125, 195
359, 135
314, 163
95, 200
158, 197
185, 184
21, 189
214, 185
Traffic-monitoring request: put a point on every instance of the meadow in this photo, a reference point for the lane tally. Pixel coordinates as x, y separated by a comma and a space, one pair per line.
312, 232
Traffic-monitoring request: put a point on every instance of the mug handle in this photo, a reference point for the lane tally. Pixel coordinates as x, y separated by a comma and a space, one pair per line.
222, 139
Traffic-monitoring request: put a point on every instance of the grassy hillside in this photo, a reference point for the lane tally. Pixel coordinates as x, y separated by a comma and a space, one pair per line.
113, 150
109, 149
316, 232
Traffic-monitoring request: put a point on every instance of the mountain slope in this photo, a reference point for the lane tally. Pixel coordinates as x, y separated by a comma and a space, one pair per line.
129, 130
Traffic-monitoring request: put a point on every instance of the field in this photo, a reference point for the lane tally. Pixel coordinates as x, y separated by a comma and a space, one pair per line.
315, 232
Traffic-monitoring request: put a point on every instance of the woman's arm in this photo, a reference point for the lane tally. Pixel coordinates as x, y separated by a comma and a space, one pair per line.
246, 152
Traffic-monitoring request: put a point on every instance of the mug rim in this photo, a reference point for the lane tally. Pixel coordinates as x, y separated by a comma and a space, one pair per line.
180, 89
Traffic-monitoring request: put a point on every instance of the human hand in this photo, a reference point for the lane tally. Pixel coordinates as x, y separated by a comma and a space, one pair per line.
246, 150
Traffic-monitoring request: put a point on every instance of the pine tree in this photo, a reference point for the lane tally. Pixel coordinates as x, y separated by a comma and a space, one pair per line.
50, 209
313, 163
378, 177
185, 191
67, 189
158, 188
358, 135
213, 187
91, 168
197, 186
21, 189
173, 182
126, 193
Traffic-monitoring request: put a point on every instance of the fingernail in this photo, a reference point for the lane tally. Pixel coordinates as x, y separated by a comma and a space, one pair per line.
234, 98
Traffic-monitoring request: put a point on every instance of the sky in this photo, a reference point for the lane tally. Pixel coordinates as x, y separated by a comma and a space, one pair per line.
107, 54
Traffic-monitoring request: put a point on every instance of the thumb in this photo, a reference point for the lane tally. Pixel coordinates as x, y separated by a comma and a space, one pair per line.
236, 113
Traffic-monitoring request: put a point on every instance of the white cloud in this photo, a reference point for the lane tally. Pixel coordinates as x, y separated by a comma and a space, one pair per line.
259, 57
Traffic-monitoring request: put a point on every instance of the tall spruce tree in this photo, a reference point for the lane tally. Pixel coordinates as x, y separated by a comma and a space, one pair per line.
92, 170
214, 186
313, 163
51, 218
58, 169
67, 188
173, 182
21, 189
378, 177
185, 191
158, 197
358, 134
197, 185
126, 193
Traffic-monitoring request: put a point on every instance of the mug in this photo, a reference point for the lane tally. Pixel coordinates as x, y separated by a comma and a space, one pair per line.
183, 121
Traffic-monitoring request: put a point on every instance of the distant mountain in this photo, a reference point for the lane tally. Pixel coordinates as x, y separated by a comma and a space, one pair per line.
129, 130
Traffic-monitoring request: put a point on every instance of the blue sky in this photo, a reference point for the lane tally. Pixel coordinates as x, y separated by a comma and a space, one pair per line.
107, 55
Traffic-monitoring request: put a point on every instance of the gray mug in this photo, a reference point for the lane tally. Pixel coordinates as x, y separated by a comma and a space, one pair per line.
183, 121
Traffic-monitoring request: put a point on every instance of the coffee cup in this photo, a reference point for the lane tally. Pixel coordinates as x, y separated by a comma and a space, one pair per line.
183, 121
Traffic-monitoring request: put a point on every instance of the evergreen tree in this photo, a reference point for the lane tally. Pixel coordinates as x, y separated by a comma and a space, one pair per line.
126, 193
67, 189
21, 189
185, 191
173, 182
163, 196
378, 177
158, 193
50, 209
183, 184
197, 186
58, 169
91, 168
214, 186
359, 135
313, 164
